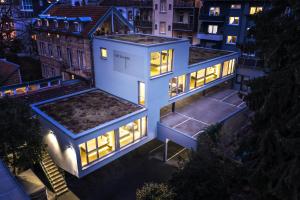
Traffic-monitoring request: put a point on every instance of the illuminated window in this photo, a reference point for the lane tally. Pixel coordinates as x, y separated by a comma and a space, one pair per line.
212, 29
234, 20
103, 53
228, 67
231, 39
235, 6
212, 73
214, 11
197, 79
255, 10
161, 62
97, 148
132, 132
176, 85
142, 93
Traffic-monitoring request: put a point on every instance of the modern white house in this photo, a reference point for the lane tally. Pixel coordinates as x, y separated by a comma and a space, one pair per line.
136, 76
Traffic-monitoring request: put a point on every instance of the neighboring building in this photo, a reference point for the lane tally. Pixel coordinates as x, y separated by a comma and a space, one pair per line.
64, 34
173, 18
136, 77
9, 73
226, 24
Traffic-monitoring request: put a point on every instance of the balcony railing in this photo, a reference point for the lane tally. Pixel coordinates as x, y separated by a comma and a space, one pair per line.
208, 36
144, 24
183, 4
183, 27
212, 18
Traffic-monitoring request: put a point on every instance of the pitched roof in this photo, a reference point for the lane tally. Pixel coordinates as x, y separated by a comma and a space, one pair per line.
95, 12
7, 69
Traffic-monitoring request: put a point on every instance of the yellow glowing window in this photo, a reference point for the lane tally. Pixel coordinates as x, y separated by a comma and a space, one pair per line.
255, 10
176, 85
212, 73
234, 20
197, 79
103, 53
142, 93
231, 39
106, 144
161, 62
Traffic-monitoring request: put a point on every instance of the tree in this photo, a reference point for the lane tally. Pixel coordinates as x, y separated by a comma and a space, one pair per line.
20, 141
274, 149
155, 191
209, 174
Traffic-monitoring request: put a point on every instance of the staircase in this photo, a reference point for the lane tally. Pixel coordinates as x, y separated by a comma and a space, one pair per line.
55, 177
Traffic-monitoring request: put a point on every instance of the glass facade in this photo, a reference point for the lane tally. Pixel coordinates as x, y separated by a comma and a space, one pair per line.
111, 141
197, 79
228, 67
161, 62
176, 85
212, 73
142, 93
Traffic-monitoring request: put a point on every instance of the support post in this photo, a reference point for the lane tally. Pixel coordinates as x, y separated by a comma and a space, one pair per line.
166, 150
173, 107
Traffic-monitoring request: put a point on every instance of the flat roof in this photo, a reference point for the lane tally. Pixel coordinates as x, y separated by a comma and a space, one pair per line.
198, 54
142, 38
87, 110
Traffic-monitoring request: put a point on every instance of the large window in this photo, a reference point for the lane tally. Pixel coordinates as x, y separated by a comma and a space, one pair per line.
197, 79
70, 60
255, 10
214, 11
234, 20
176, 85
132, 132
97, 148
27, 5
142, 93
103, 52
161, 62
228, 67
163, 5
50, 51
162, 27
235, 6
212, 29
231, 39
212, 73
80, 59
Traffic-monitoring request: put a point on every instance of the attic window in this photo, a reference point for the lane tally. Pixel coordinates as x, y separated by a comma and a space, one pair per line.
77, 27
46, 22
55, 23
66, 25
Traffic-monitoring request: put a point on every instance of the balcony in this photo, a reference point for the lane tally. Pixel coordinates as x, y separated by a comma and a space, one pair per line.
144, 24
84, 73
183, 4
207, 36
211, 18
182, 27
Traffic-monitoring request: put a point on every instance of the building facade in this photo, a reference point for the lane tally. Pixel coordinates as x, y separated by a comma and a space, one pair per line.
64, 34
227, 24
136, 76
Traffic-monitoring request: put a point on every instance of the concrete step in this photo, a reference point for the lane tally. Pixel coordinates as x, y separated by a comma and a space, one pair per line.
60, 188
62, 191
59, 184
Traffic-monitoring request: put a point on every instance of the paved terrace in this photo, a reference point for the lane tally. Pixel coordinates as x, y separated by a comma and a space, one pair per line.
195, 113
87, 110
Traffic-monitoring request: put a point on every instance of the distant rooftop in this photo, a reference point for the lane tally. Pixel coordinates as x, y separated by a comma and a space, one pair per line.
142, 38
87, 110
198, 54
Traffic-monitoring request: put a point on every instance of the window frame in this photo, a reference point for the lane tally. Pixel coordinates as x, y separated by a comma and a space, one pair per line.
234, 18
102, 54
231, 43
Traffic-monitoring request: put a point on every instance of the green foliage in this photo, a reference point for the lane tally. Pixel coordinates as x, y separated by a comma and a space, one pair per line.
155, 191
209, 175
274, 153
20, 141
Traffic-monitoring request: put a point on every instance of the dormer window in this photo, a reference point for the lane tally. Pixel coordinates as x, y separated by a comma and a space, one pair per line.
55, 24
77, 27
46, 22
39, 22
66, 25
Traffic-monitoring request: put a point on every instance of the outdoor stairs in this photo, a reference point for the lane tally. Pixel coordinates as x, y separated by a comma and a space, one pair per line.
54, 176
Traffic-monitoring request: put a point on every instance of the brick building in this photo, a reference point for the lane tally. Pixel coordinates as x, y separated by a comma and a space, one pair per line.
9, 73
64, 35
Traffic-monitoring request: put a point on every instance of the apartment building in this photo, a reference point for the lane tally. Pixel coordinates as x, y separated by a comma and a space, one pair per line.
64, 33
136, 77
227, 24
172, 18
